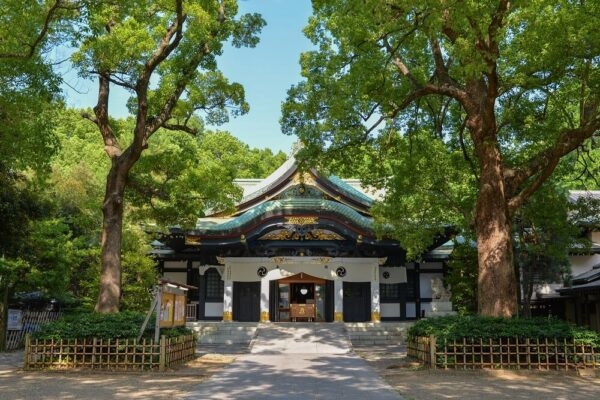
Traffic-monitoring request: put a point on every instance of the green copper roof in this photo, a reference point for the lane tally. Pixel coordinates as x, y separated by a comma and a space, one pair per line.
350, 190
286, 206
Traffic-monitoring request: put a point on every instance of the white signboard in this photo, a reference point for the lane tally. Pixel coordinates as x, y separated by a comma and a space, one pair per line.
15, 320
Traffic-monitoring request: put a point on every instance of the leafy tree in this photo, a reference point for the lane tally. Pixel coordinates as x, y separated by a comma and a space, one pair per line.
181, 175
511, 87
544, 235
163, 54
462, 276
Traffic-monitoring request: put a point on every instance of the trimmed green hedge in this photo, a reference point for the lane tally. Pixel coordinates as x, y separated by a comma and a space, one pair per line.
123, 325
457, 327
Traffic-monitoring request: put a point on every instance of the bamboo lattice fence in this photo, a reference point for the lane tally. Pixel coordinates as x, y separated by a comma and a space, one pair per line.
109, 354
501, 353
15, 339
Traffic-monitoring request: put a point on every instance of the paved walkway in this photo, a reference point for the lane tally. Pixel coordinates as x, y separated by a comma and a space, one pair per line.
297, 362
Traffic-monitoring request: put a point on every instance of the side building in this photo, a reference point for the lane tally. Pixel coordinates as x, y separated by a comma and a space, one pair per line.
298, 238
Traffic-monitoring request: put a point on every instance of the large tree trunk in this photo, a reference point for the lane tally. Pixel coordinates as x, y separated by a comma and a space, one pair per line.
497, 285
109, 295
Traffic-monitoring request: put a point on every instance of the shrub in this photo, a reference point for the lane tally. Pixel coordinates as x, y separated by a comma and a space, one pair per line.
123, 325
477, 327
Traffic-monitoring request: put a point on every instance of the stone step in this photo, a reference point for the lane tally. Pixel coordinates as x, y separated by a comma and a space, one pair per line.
377, 334
224, 333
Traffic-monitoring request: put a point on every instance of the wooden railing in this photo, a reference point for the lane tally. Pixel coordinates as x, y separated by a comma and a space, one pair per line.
111, 354
191, 311
501, 353
31, 321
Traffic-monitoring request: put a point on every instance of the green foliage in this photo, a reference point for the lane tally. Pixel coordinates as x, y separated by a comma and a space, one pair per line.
477, 327
461, 110
123, 325
28, 86
180, 175
462, 276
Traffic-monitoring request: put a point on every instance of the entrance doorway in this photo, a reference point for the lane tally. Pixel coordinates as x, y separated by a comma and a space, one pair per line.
246, 301
301, 292
357, 301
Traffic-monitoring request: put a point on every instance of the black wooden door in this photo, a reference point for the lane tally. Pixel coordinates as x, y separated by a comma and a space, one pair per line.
246, 301
357, 301
329, 301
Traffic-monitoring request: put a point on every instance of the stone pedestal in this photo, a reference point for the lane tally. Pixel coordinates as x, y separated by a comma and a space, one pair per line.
440, 308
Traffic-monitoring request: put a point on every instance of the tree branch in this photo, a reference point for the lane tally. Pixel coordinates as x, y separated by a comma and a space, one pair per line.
111, 145
58, 4
543, 164
180, 127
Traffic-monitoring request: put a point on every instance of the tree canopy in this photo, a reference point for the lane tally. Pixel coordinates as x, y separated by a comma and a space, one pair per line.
461, 111
164, 55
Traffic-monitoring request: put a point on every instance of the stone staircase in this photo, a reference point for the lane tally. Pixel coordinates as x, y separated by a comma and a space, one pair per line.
377, 334
237, 337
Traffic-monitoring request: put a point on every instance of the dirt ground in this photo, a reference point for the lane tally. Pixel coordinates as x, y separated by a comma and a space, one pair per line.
16, 384
411, 381
416, 383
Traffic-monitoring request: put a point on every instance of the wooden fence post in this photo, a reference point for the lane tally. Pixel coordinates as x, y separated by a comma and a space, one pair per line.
432, 351
27, 350
163, 353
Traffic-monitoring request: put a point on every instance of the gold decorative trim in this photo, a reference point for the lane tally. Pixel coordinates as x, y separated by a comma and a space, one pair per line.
315, 234
279, 260
304, 178
264, 316
221, 260
324, 234
227, 316
302, 220
338, 316
382, 260
375, 316
192, 240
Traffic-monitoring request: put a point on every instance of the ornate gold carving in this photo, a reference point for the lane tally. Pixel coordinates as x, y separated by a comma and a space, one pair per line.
323, 234
227, 316
290, 234
338, 316
375, 316
278, 260
302, 220
382, 260
192, 240
324, 260
221, 260
304, 178
264, 316
281, 234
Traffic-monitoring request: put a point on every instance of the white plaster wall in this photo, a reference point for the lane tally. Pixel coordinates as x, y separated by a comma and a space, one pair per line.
175, 264
396, 274
390, 310
245, 269
583, 263
411, 310
595, 236
426, 307
213, 309
179, 277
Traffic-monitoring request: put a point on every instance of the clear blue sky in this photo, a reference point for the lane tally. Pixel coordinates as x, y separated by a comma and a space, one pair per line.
266, 72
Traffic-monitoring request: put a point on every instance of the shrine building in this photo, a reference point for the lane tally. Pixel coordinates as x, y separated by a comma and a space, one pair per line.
300, 246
